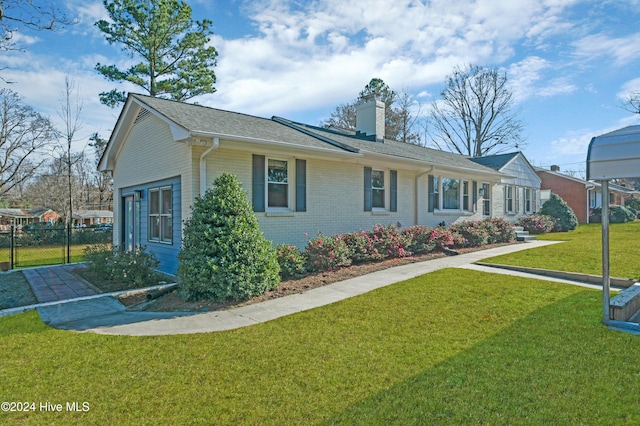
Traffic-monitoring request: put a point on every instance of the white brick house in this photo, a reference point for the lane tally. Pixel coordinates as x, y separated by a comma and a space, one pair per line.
300, 179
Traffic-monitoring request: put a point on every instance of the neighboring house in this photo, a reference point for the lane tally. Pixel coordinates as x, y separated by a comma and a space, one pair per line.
520, 190
22, 217
300, 179
581, 195
92, 217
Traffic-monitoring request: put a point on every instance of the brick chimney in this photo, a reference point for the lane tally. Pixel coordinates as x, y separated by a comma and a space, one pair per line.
370, 118
555, 168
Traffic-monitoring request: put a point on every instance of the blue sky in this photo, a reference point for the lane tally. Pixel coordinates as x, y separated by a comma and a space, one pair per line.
570, 63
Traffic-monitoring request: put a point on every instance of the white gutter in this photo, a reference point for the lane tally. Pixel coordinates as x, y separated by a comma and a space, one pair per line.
203, 165
590, 186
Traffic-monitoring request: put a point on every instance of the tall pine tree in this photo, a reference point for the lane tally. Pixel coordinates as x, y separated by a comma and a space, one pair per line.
175, 59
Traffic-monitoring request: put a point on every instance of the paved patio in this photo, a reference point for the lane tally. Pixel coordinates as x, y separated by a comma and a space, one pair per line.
56, 283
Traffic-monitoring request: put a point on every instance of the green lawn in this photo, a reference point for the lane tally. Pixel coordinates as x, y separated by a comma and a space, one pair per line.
582, 251
450, 347
43, 255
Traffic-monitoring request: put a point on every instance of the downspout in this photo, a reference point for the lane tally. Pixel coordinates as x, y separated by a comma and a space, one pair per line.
203, 165
417, 195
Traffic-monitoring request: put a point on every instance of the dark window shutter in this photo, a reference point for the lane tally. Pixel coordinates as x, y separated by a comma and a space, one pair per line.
258, 183
432, 199
394, 191
475, 196
367, 189
301, 185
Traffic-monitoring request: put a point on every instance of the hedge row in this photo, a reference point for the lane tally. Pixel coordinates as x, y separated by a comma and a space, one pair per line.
327, 253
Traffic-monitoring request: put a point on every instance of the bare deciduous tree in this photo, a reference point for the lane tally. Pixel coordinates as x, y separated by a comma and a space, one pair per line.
406, 121
70, 110
632, 103
475, 116
24, 134
102, 180
17, 15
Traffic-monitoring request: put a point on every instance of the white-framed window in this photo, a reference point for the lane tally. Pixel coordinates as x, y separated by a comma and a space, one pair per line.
448, 193
161, 215
509, 206
527, 200
465, 196
378, 192
486, 199
277, 193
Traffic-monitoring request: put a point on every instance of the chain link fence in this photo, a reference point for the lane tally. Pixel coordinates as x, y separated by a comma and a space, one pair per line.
40, 246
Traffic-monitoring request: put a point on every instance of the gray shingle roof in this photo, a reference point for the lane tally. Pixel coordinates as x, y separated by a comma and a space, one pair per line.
396, 149
497, 161
197, 118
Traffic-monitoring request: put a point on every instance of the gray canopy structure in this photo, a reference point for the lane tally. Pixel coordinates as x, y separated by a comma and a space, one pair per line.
614, 155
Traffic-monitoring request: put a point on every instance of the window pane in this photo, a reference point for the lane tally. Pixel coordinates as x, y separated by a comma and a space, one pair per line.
278, 195
277, 171
154, 202
465, 195
167, 228
377, 198
450, 193
166, 201
377, 179
154, 228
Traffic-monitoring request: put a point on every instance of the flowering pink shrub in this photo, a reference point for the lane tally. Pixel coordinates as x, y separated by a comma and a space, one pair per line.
326, 253
421, 239
362, 247
380, 243
442, 238
499, 229
291, 261
537, 223
390, 241
475, 234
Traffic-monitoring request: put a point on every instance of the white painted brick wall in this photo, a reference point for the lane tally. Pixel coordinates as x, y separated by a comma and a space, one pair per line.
150, 154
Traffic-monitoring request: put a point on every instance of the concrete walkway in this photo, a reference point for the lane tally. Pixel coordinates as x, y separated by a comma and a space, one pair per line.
107, 316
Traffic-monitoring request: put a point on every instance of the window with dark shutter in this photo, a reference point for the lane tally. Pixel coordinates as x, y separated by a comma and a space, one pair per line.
258, 184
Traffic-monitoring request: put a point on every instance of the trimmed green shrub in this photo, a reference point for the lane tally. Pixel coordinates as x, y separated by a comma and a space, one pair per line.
224, 254
633, 203
558, 209
617, 214
137, 268
326, 253
537, 223
291, 261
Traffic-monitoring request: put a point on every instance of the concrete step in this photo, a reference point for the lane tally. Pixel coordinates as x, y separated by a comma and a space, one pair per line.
522, 235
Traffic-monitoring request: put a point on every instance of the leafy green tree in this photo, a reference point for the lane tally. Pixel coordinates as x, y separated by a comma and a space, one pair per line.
224, 254
176, 61
558, 209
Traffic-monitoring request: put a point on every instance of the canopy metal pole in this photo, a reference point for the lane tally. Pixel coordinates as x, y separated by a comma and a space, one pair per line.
605, 252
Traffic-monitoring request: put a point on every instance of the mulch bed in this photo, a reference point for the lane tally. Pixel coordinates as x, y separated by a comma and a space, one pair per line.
173, 302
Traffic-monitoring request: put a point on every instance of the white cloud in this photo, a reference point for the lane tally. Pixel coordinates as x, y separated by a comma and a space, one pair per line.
622, 50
